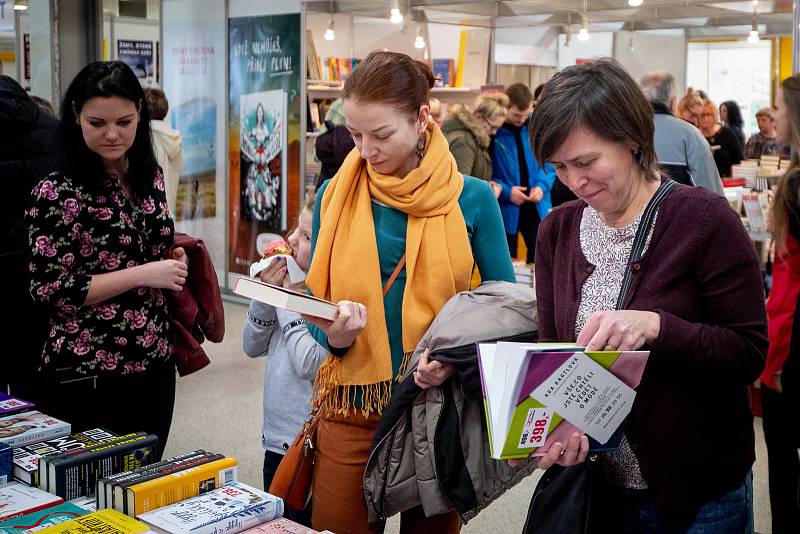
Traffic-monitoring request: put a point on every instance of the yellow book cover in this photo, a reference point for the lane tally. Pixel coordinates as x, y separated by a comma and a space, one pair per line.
105, 521
462, 56
179, 486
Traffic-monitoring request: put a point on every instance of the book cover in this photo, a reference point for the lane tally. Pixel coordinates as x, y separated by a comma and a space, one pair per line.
443, 69
105, 486
76, 475
42, 519
85, 503
17, 499
285, 298
311, 57
105, 521
30, 427
26, 458
6, 464
10, 405
537, 394
281, 526
117, 489
44, 468
176, 487
232, 509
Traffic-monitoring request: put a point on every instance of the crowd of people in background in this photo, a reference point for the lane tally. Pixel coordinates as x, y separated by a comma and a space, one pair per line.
568, 169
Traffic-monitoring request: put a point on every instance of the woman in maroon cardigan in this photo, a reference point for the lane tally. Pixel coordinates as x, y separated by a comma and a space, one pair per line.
696, 302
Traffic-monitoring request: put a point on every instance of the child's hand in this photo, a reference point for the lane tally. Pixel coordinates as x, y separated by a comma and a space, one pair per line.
275, 273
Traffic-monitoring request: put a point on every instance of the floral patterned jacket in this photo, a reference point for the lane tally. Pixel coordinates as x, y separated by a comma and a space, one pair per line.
76, 233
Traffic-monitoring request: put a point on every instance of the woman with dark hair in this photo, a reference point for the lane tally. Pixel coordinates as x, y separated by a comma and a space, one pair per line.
695, 301
398, 229
99, 231
731, 116
780, 381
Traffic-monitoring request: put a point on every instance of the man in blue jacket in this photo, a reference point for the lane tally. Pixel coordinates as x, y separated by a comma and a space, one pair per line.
525, 196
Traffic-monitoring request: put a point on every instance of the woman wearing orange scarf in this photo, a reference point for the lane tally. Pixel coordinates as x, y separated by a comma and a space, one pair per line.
398, 206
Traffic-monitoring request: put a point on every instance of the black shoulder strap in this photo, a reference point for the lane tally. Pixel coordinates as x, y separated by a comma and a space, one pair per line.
639, 241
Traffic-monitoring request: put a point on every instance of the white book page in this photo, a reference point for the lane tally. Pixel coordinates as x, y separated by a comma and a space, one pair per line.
487, 361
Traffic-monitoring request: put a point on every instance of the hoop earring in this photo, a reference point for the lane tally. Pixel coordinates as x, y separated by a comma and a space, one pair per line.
421, 147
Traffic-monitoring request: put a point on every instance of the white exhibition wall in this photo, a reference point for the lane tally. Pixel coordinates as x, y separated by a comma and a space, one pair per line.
653, 50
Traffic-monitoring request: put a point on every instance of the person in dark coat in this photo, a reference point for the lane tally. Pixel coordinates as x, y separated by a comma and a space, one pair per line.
28, 153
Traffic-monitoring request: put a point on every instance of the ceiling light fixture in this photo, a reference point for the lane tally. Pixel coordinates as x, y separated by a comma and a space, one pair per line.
635, 3
753, 37
396, 17
20, 6
583, 33
330, 35
419, 42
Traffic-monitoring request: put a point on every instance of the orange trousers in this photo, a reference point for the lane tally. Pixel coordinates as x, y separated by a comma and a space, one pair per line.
338, 490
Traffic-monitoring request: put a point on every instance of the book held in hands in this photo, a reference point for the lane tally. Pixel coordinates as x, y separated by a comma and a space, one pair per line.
286, 299
536, 394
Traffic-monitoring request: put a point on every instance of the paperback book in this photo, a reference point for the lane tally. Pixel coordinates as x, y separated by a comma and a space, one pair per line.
75, 474
286, 299
537, 394
231, 509
42, 519
17, 499
29, 427
101, 521
26, 458
111, 492
281, 526
10, 405
6, 464
176, 487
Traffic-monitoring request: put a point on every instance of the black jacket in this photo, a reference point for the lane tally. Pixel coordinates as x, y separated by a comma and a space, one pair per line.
28, 153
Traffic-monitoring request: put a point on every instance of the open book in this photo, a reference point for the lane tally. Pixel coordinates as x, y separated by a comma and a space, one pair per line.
536, 394
285, 298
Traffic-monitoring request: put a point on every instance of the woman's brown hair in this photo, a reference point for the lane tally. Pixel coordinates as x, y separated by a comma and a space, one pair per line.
391, 78
786, 204
602, 97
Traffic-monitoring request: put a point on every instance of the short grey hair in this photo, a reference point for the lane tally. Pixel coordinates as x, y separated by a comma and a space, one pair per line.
658, 87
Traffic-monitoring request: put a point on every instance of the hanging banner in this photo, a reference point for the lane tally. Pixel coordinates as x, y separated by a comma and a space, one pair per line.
194, 82
263, 133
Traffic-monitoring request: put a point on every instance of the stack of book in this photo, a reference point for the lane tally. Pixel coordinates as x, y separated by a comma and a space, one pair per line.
524, 273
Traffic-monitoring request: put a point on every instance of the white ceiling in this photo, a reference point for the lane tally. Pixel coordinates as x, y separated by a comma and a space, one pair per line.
697, 17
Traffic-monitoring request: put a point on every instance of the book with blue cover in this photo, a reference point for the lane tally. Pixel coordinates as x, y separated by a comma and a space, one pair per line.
231, 509
537, 394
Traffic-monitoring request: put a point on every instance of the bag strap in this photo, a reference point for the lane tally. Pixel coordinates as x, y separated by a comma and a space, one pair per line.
396, 272
639, 241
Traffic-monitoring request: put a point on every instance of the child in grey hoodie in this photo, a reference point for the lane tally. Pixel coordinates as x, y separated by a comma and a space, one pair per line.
293, 358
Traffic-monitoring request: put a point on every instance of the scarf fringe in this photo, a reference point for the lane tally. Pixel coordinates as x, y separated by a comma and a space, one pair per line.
403, 365
331, 397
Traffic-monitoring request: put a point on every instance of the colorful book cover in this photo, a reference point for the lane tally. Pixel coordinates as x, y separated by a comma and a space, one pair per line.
443, 70
231, 509
26, 458
6, 464
537, 394
10, 405
105, 521
17, 499
42, 519
281, 526
177, 487
85, 503
30, 427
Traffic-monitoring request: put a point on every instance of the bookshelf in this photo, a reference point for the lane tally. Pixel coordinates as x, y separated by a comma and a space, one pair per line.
323, 89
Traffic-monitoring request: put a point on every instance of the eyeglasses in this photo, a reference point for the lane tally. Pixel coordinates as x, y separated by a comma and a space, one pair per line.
492, 127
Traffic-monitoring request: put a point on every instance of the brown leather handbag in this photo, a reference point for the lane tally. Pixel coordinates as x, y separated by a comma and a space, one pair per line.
292, 480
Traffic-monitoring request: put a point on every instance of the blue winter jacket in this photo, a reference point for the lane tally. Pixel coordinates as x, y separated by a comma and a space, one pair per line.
505, 163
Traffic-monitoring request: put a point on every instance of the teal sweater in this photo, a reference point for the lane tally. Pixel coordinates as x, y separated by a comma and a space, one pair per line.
486, 236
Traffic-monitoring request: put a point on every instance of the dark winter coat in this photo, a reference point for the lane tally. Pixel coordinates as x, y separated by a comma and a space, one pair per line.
28, 153
469, 143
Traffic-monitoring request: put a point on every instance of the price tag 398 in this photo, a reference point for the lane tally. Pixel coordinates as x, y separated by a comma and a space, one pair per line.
534, 431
